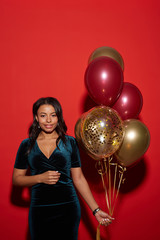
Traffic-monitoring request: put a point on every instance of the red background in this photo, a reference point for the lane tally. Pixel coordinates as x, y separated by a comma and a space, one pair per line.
45, 46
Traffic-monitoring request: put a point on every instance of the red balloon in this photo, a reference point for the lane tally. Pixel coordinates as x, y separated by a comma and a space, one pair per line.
104, 80
130, 102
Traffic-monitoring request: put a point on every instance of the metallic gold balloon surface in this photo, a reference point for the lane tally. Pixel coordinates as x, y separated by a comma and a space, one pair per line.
77, 130
101, 131
108, 52
135, 143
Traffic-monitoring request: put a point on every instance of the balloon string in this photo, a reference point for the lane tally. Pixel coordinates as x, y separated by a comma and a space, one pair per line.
105, 169
115, 178
109, 173
105, 165
120, 181
100, 170
98, 233
106, 194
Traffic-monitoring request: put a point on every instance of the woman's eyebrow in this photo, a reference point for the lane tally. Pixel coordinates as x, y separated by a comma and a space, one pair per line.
46, 113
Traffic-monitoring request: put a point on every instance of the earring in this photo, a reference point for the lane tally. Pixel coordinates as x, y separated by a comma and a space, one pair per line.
38, 125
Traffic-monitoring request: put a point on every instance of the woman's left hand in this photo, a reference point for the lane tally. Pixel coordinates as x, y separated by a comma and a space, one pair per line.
103, 218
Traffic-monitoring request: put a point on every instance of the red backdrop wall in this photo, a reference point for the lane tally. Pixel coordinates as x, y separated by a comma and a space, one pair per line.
45, 46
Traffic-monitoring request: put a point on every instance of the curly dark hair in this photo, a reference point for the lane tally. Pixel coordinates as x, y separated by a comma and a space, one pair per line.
34, 129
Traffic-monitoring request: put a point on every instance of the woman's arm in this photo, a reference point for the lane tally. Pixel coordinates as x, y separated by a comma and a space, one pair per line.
19, 178
84, 189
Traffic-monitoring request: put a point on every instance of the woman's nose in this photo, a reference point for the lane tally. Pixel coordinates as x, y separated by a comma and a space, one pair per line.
48, 119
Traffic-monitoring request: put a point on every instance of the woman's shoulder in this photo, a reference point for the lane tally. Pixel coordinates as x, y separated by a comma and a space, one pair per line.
23, 146
70, 138
25, 142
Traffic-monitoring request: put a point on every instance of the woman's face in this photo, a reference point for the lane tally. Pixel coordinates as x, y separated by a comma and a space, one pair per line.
47, 118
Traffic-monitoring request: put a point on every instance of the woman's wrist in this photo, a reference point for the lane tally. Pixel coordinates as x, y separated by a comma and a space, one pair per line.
96, 210
38, 176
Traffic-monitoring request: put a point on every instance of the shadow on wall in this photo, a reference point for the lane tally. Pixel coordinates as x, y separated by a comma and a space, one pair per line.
87, 103
17, 197
90, 171
20, 197
134, 176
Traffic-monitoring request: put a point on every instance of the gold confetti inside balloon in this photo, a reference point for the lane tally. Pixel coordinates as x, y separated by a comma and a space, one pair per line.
102, 131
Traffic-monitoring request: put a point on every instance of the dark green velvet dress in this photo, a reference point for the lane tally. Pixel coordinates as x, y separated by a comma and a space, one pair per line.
54, 211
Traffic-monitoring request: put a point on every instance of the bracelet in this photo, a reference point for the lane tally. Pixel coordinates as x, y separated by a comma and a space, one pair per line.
96, 210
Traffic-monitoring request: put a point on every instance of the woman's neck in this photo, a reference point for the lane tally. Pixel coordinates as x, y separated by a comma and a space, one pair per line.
44, 135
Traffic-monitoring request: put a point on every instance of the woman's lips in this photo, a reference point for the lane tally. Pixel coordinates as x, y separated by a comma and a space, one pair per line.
48, 126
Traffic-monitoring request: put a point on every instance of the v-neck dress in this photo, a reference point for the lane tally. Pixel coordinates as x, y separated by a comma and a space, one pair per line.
54, 210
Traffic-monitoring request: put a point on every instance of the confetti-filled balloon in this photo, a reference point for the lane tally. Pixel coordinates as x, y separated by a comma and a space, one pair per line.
102, 131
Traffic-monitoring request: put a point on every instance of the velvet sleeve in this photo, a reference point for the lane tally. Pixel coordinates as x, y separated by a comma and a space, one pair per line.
75, 158
21, 161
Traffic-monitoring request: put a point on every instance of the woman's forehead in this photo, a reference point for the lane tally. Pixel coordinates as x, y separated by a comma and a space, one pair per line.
46, 108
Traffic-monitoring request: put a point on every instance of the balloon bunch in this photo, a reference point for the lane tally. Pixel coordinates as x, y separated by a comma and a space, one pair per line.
110, 132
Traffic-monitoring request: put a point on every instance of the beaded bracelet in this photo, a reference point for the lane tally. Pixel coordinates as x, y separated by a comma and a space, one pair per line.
96, 210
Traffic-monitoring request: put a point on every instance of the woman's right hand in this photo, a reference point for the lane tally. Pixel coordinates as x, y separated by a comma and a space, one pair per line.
49, 177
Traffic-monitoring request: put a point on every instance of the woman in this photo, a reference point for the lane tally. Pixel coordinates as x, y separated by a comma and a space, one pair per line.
53, 157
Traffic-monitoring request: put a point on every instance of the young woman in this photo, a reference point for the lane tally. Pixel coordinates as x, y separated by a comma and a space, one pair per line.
54, 162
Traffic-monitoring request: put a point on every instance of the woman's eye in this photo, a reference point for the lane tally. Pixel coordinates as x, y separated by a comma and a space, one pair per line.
53, 115
42, 115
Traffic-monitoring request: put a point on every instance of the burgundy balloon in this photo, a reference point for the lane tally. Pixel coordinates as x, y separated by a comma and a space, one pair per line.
104, 80
130, 102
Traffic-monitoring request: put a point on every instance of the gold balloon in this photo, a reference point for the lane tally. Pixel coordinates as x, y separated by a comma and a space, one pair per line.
77, 131
135, 143
101, 131
108, 52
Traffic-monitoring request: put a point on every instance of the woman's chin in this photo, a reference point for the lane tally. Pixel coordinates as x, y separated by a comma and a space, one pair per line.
48, 130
